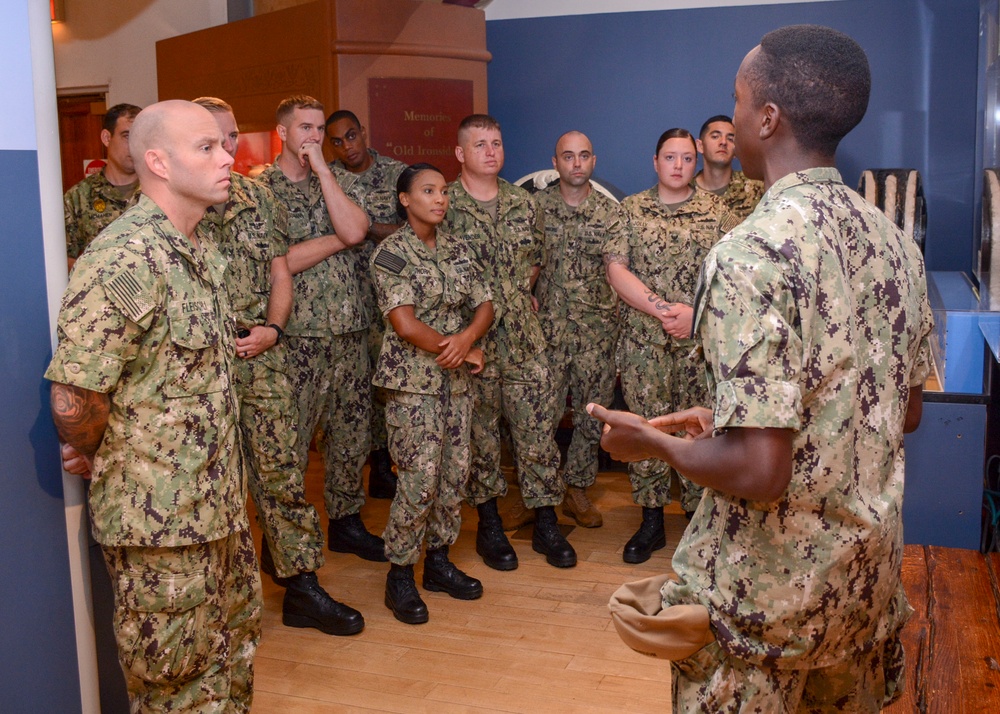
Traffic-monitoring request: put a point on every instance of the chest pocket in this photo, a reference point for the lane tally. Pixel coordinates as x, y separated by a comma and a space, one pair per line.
586, 255
428, 286
194, 365
381, 205
705, 234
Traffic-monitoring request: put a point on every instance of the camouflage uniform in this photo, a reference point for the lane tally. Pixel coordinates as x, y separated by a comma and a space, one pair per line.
429, 408
576, 308
814, 318
327, 350
145, 320
660, 373
516, 382
250, 233
741, 197
375, 189
88, 208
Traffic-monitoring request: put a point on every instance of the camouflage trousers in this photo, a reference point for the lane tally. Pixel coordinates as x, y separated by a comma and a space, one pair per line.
277, 486
586, 376
380, 437
522, 394
187, 622
711, 680
659, 380
331, 377
429, 441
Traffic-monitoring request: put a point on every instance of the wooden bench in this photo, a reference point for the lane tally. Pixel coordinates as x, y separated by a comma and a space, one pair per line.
952, 642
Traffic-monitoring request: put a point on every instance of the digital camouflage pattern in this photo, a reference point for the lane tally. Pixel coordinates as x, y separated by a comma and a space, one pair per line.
145, 319
429, 441
516, 382
187, 622
250, 233
327, 349
428, 408
328, 296
814, 317
375, 189
438, 284
88, 208
741, 197
660, 373
577, 309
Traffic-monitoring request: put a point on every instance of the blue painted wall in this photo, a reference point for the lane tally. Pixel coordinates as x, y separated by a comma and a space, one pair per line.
38, 665
625, 78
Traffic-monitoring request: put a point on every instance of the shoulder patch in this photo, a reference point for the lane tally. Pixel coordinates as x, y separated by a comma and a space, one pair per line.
129, 296
390, 261
728, 222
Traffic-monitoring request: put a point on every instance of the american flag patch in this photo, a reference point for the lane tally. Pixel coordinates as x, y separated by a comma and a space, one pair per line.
129, 296
390, 261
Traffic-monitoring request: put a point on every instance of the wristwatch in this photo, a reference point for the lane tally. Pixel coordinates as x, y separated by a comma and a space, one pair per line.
281, 333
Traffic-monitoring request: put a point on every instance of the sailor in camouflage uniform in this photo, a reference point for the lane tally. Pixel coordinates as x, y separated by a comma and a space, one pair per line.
370, 179
91, 205
424, 278
500, 223
250, 231
717, 145
142, 384
327, 331
815, 322
655, 268
577, 308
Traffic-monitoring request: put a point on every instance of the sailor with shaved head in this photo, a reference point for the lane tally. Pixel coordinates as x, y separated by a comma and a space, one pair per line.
142, 396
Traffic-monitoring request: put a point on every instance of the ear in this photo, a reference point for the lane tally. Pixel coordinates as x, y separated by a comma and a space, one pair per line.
404, 199
156, 164
770, 118
699, 146
554, 165
364, 135
460, 154
105, 137
282, 132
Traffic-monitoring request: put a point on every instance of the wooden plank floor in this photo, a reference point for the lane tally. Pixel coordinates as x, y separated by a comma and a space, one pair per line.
541, 639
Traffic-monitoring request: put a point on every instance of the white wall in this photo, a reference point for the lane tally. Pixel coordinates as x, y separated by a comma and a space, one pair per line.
514, 9
112, 43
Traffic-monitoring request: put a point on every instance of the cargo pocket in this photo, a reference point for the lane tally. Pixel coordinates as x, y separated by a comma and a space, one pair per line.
163, 636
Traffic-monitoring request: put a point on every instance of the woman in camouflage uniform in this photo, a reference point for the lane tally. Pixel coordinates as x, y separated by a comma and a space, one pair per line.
654, 269
427, 283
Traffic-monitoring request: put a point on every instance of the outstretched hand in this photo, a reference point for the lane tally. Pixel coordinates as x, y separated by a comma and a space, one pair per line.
626, 435
697, 422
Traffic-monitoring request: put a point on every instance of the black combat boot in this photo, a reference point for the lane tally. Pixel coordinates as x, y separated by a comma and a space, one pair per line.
549, 540
267, 564
307, 604
441, 575
401, 595
491, 541
349, 535
648, 538
381, 479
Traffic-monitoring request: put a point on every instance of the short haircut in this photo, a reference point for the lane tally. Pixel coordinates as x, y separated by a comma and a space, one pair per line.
343, 114
818, 77
405, 182
296, 101
675, 133
476, 121
712, 120
214, 105
110, 120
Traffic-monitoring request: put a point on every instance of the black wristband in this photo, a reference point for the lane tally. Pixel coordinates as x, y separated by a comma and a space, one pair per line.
281, 333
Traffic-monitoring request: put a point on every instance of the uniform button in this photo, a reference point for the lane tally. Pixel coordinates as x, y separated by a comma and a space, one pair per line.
73, 368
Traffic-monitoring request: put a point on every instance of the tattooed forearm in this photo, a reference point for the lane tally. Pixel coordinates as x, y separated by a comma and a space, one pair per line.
81, 416
659, 304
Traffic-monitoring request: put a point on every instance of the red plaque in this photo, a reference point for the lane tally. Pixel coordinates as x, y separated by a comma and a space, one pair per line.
413, 119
